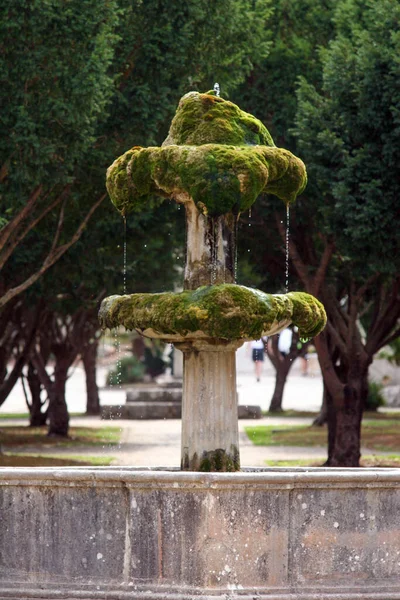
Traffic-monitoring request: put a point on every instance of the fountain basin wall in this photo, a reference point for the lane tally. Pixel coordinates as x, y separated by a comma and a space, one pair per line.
110, 533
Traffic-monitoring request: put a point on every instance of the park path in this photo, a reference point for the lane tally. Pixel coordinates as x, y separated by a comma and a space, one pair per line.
157, 443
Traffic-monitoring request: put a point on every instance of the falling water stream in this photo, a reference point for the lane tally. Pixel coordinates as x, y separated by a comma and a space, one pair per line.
124, 218
287, 249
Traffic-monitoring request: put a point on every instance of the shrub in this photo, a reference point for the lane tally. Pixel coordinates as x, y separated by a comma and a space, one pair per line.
375, 398
128, 370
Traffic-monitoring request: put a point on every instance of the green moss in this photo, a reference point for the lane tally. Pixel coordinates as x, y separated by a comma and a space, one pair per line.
308, 314
226, 312
216, 177
209, 119
220, 461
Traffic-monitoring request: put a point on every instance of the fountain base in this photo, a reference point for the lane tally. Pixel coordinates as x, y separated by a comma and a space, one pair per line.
126, 534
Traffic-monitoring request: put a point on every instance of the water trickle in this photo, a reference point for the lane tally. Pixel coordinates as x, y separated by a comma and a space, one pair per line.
217, 89
117, 346
124, 219
287, 249
214, 251
235, 254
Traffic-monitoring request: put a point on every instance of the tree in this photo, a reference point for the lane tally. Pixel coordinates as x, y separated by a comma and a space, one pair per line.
298, 30
54, 86
350, 136
347, 132
282, 364
85, 101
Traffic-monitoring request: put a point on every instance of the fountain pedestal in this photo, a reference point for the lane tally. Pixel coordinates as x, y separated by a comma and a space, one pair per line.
210, 438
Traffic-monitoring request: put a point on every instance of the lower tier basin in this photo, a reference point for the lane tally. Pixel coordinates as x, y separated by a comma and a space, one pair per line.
133, 533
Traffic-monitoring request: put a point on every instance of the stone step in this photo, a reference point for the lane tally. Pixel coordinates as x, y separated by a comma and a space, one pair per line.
163, 410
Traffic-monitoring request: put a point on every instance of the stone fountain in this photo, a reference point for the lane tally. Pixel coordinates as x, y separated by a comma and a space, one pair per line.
111, 533
216, 161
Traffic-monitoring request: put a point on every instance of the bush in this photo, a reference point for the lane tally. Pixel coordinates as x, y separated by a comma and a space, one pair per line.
375, 398
128, 370
153, 361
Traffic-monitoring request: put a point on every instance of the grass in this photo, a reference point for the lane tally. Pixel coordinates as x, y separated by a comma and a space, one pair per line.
377, 434
27, 415
12, 435
368, 415
14, 416
392, 460
35, 460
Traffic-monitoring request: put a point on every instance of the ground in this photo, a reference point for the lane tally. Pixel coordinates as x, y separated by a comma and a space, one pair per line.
157, 443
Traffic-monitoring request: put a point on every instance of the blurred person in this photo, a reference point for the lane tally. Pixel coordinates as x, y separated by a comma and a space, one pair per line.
285, 341
257, 348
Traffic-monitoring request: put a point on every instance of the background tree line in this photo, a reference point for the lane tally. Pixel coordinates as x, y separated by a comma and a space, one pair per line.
81, 83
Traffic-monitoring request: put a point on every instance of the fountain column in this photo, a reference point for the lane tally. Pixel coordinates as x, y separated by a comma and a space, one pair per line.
210, 438
210, 248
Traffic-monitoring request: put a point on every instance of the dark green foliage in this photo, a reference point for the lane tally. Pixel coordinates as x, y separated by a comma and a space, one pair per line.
375, 398
171, 47
298, 29
349, 134
55, 85
153, 361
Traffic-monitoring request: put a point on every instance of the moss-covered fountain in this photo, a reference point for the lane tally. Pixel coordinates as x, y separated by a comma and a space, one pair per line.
128, 533
216, 161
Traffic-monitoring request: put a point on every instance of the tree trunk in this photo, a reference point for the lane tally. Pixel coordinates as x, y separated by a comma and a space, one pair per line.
344, 429
345, 412
58, 411
37, 417
282, 365
282, 371
89, 359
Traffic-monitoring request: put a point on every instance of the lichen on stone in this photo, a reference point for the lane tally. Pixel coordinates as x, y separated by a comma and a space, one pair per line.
216, 154
224, 312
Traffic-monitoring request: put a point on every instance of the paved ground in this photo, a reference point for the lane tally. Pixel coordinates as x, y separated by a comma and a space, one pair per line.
157, 442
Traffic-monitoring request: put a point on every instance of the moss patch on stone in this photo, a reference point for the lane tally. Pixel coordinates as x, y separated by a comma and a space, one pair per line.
225, 312
209, 119
308, 314
217, 177
219, 461
215, 153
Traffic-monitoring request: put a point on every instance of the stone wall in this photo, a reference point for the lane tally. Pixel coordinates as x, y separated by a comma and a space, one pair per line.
123, 533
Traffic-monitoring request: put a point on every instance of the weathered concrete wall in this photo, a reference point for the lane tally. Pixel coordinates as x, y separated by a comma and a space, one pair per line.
110, 533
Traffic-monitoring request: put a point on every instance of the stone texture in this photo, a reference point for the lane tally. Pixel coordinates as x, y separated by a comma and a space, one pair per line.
155, 394
163, 410
249, 411
209, 407
143, 410
276, 534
